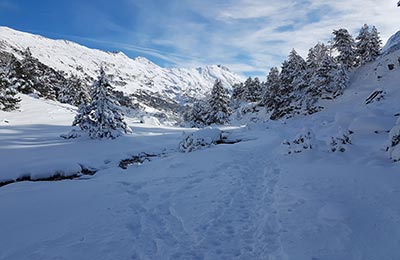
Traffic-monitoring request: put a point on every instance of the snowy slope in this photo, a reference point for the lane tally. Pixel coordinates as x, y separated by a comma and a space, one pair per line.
393, 44
129, 75
249, 200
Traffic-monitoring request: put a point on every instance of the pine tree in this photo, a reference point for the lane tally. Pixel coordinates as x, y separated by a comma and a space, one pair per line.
368, 44
237, 95
362, 44
344, 43
74, 92
293, 84
316, 55
253, 89
102, 117
340, 81
293, 72
8, 99
270, 98
197, 114
219, 104
375, 44
323, 77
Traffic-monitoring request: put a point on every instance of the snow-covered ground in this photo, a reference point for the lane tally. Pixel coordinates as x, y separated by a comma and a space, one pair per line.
247, 200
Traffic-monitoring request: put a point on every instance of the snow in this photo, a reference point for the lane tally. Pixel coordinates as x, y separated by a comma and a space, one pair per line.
137, 74
201, 138
229, 201
393, 44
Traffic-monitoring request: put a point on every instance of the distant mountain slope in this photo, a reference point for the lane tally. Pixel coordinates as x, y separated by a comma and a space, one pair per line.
128, 75
393, 44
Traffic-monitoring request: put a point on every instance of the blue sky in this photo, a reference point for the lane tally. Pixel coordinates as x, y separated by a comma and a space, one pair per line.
249, 36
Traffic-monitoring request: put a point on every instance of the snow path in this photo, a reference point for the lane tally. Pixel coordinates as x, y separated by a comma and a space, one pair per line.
216, 203
240, 224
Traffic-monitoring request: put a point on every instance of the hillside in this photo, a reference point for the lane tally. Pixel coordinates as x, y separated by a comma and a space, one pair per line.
138, 77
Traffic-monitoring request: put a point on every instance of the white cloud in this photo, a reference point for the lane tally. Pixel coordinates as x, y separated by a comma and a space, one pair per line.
247, 32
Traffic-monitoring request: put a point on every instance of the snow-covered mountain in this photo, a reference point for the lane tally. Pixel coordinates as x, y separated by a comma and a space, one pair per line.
393, 44
128, 75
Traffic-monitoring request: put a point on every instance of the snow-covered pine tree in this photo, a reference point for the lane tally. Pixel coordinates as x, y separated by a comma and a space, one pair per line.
344, 43
253, 89
74, 92
237, 95
292, 85
340, 81
102, 116
197, 114
368, 44
293, 74
316, 55
270, 98
374, 45
36, 77
362, 44
8, 99
322, 78
246, 86
219, 104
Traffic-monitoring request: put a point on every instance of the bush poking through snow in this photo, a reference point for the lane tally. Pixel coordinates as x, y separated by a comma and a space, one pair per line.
394, 142
302, 142
202, 138
338, 144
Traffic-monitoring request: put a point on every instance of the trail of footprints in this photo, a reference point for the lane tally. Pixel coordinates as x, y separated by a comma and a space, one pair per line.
244, 224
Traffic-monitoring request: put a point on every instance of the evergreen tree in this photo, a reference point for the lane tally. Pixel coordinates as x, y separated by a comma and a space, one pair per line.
219, 104
375, 44
102, 117
323, 77
293, 73
316, 55
344, 43
253, 89
362, 44
368, 44
340, 81
270, 98
74, 92
8, 99
36, 77
237, 95
197, 115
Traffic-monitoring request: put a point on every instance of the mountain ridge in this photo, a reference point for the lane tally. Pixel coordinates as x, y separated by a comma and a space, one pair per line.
129, 75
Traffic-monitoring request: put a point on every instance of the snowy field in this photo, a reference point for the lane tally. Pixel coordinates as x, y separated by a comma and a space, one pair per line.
248, 200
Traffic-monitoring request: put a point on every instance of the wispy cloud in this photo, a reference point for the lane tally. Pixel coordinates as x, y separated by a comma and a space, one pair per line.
259, 34
250, 36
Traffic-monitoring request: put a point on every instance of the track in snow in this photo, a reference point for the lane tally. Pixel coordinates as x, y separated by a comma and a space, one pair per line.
242, 223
